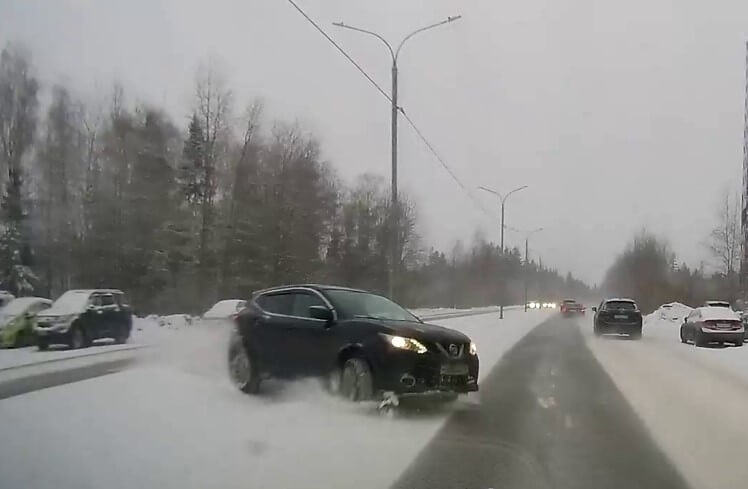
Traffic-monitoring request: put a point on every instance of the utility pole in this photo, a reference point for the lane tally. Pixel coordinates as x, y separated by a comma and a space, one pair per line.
395, 213
502, 199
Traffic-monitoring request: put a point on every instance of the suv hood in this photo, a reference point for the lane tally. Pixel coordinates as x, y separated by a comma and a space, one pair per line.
56, 312
423, 331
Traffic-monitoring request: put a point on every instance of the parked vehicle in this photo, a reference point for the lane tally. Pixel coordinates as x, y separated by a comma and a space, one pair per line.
224, 310
17, 321
570, 307
618, 316
724, 304
364, 343
5, 298
79, 317
712, 324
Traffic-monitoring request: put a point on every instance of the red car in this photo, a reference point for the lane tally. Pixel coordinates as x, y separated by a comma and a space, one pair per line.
570, 306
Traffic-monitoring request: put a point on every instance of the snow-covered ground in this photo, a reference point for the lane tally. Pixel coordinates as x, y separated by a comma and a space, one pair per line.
692, 400
174, 420
160, 330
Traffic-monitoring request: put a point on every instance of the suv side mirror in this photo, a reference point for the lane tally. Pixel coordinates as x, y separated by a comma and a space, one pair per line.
594, 308
320, 312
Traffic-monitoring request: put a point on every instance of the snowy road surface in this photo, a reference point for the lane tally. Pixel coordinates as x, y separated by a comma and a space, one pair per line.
558, 408
173, 420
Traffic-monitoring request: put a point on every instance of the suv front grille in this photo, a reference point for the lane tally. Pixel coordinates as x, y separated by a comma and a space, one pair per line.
452, 350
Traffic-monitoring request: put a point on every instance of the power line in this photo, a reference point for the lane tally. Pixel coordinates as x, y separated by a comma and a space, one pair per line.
442, 162
402, 111
342, 51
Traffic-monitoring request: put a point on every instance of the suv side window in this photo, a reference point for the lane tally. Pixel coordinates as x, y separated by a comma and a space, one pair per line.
302, 301
107, 300
280, 303
94, 300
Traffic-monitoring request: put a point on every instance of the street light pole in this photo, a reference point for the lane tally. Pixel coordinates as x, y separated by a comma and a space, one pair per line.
527, 259
395, 54
501, 233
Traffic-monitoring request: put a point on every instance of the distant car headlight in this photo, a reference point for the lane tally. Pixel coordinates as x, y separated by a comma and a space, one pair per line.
402, 343
473, 349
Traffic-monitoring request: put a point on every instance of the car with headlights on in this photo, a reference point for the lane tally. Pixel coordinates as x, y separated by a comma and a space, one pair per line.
79, 317
365, 345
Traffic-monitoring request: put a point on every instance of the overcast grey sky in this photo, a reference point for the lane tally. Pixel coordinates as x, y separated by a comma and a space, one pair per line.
617, 115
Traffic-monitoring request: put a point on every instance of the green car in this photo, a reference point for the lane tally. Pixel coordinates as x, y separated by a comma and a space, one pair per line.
17, 320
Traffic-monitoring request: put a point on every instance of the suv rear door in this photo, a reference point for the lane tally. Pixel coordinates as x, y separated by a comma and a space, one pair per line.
310, 340
123, 314
108, 318
270, 333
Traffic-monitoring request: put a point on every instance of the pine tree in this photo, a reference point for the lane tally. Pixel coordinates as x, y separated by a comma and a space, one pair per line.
192, 169
15, 253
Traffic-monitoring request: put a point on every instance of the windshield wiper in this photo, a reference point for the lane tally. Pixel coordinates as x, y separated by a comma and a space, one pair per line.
381, 318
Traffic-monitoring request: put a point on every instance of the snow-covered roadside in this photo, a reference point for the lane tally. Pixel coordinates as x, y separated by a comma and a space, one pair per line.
665, 333
692, 400
175, 421
159, 331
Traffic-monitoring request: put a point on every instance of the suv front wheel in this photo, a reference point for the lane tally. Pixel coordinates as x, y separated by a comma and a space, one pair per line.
356, 380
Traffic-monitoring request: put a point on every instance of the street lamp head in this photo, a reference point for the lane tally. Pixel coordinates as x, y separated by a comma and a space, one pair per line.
452, 18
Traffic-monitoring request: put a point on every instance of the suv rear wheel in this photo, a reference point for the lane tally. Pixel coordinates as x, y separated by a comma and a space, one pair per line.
242, 370
122, 337
356, 380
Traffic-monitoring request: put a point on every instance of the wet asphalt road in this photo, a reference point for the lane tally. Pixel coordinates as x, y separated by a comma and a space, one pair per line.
549, 417
43, 381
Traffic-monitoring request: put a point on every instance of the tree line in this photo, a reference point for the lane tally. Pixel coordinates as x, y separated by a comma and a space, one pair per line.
648, 270
117, 194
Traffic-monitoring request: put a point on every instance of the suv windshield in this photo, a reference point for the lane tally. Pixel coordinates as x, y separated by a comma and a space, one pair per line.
70, 302
351, 304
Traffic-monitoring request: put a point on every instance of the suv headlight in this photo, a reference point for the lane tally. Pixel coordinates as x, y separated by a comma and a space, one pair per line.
473, 349
402, 343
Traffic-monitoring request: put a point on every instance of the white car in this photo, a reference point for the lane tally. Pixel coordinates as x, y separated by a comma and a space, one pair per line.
712, 324
724, 304
225, 310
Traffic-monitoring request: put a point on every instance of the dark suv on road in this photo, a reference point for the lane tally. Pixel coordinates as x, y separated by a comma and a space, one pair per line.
365, 344
78, 317
618, 316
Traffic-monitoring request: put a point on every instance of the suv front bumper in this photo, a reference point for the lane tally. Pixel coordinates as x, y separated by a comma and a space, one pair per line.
413, 373
53, 334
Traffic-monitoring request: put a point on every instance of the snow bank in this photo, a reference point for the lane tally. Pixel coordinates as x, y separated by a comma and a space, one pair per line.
672, 312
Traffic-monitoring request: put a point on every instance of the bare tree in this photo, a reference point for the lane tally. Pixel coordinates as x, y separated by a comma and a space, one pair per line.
213, 111
726, 241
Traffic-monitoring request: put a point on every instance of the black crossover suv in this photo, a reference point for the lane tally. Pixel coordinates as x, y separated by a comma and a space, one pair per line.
364, 343
78, 317
618, 316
